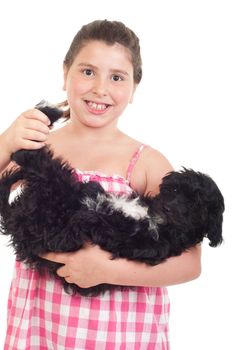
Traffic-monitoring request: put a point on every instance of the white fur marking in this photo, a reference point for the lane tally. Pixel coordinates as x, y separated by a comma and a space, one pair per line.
90, 203
15, 194
130, 207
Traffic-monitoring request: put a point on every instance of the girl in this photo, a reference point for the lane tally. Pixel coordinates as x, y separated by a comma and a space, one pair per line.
101, 71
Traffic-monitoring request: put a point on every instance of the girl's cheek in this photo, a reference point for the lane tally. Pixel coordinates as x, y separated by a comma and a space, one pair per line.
80, 85
123, 94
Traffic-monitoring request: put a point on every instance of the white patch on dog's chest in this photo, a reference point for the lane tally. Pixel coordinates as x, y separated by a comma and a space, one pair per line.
111, 203
129, 207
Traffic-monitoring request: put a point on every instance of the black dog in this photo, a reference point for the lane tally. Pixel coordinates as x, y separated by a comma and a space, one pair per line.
55, 212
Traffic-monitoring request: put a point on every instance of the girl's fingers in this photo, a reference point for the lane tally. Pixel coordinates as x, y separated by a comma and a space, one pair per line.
63, 271
33, 145
33, 135
37, 125
29, 131
36, 114
61, 258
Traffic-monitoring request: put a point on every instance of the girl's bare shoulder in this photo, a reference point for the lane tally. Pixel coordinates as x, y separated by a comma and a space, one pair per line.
151, 167
157, 166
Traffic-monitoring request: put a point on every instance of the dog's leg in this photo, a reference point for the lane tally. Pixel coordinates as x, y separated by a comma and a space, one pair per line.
9, 178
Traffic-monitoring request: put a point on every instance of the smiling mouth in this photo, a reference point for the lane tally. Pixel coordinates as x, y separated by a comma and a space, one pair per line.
101, 107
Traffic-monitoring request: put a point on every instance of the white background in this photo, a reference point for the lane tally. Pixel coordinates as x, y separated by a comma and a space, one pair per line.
182, 107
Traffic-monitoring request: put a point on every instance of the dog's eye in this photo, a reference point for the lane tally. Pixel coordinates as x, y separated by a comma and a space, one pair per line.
169, 189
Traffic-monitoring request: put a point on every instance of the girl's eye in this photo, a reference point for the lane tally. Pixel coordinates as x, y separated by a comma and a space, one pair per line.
116, 77
88, 72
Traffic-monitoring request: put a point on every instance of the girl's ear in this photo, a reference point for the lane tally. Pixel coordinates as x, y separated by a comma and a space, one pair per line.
133, 92
65, 72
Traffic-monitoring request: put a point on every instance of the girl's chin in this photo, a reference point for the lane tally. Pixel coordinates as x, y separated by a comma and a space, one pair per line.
98, 122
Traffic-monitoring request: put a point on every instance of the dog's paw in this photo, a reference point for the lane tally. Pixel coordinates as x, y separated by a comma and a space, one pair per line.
31, 158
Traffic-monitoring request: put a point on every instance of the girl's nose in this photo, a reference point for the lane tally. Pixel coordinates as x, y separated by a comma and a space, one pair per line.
100, 87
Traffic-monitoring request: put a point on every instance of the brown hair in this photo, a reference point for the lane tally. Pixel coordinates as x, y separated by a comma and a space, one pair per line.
110, 32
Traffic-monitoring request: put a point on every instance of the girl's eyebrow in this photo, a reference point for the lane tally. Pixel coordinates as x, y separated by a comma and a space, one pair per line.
118, 71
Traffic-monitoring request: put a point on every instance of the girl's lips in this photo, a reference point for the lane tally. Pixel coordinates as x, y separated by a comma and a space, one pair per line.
97, 108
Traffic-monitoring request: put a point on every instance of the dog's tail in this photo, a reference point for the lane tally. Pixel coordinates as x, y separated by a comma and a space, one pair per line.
8, 179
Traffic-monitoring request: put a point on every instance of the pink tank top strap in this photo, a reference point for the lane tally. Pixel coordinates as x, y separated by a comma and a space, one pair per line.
133, 161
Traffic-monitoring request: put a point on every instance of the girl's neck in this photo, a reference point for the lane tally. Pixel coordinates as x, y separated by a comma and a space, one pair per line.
84, 132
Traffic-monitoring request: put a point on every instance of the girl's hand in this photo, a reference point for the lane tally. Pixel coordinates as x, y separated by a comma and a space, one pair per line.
28, 131
91, 266
86, 267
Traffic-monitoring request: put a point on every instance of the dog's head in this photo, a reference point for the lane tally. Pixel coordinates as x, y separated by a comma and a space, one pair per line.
192, 199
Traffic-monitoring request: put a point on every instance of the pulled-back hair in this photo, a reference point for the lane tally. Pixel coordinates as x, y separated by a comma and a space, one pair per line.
110, 32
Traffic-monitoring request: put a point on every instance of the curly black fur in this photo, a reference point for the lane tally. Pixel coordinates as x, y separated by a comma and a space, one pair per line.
55, 212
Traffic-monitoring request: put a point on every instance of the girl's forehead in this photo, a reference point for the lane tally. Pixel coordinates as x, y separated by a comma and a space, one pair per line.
100, 50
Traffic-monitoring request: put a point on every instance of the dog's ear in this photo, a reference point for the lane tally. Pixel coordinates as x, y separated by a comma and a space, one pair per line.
214, 226
215, 204
209, 204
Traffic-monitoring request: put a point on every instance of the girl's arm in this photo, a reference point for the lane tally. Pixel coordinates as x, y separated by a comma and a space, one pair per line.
91, 265
175, 270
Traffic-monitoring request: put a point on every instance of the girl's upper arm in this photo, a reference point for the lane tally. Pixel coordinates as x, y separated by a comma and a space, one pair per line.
157, 166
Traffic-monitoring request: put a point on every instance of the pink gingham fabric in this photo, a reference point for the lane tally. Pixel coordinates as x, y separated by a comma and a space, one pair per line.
41, 316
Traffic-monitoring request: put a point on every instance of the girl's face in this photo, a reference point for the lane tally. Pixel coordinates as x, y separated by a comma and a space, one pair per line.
99, 83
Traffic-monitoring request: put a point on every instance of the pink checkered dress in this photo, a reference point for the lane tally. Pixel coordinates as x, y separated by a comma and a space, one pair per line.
41, 316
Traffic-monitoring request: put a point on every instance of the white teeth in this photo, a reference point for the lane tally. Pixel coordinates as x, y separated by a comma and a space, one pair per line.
97, 106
